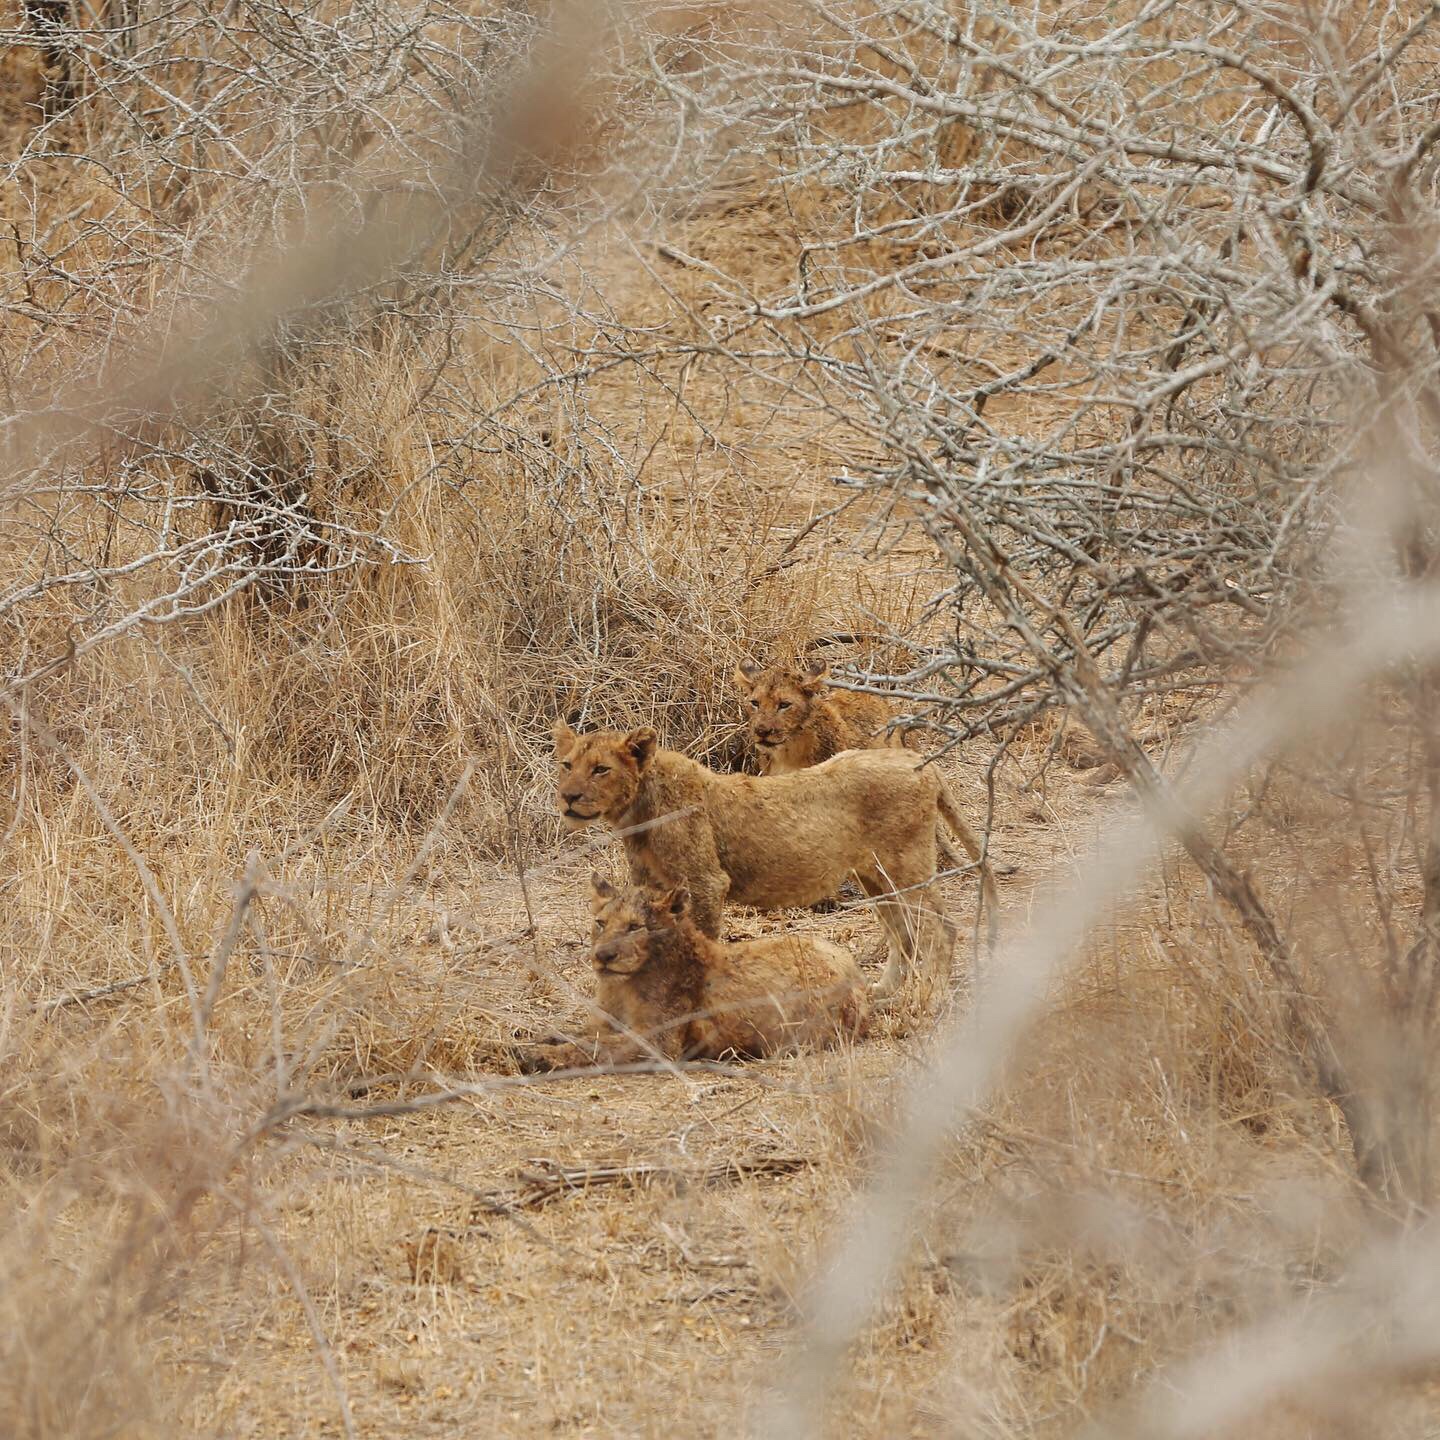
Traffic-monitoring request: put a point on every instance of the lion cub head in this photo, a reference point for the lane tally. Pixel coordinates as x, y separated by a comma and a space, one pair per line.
632, 925
600, 772
780, 699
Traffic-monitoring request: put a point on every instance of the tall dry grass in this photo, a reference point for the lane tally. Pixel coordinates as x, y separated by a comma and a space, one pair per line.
372, 750
273, 868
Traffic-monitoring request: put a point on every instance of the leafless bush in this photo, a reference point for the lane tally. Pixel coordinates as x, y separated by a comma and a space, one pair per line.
333, 386
1102, 302
1134, 315
390, 197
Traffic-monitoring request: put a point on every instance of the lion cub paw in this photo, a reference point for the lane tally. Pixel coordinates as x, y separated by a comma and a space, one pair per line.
537, 1059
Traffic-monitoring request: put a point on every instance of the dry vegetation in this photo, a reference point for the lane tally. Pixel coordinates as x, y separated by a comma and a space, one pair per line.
379, 382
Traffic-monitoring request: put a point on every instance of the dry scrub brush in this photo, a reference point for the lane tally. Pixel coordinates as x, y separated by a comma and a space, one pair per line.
297, 574
1114, 304
1108, 301
335, 372
153, 714
436, 551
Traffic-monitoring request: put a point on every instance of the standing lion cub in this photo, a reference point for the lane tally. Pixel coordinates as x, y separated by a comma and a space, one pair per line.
783, 841
665, 986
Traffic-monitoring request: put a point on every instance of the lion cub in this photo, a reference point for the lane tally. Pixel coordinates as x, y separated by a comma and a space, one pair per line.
694, 998
797, 721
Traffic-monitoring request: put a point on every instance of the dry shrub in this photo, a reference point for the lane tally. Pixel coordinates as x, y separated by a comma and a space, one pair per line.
1155, 1171
533, 607
101, 1184
419, 1015
71, 1368
512, 597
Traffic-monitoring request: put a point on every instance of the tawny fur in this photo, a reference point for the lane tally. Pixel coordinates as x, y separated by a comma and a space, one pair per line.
797, 721
776, 842
665, 986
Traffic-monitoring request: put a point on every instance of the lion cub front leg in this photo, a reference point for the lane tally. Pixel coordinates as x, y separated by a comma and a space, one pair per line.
903, 940
620, 1042
708, 904
708, 881
686, 857
600, 1053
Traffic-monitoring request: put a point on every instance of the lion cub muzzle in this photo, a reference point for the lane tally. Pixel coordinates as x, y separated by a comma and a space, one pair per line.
623, 955
629, 952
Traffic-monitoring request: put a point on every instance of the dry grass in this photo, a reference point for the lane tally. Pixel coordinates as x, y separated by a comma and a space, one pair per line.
606, 1255
333, 809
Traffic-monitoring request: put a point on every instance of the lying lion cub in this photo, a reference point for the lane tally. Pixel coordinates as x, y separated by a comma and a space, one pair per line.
797, 721
693, 998
777, 842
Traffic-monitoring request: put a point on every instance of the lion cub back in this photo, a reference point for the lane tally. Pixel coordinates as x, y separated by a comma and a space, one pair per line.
849, 720
784, 993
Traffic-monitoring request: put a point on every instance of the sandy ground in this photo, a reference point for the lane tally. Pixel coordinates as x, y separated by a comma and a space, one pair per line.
607, 1255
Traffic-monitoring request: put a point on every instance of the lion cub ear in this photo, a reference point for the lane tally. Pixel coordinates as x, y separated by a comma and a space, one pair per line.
641, 744
565, 739
677, 902
747, 672
601, 890
817, 672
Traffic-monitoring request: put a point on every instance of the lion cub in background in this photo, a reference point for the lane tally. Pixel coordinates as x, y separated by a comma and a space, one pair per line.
797, 721
694, 998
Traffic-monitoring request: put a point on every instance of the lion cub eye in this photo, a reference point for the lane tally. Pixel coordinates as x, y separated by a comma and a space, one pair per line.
564, 764
754, 704
599, 769
783, 705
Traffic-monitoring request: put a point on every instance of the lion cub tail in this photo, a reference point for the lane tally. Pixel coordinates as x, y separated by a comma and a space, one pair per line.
975, 848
